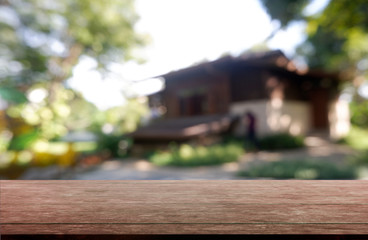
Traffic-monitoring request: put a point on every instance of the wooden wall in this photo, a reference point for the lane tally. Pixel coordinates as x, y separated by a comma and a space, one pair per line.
209, 86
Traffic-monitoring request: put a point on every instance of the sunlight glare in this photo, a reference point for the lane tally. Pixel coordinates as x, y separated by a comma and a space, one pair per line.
37, 95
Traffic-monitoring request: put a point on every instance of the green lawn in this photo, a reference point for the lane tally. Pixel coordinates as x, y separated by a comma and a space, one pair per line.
186, 155
301, 169
357, 138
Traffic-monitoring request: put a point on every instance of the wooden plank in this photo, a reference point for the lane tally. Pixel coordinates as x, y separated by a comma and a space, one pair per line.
277, 192
128, 229
188, 213
184, 207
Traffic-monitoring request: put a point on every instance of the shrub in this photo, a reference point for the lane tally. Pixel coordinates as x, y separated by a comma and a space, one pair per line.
115, 146
360, 163
361, 159
188, 156
359, 113
300, 169
280, 141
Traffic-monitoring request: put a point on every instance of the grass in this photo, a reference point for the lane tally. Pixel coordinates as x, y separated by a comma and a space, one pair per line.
301, 169
190, 156
357, 138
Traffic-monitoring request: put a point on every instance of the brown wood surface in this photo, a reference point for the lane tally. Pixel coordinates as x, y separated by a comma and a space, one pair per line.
184, 207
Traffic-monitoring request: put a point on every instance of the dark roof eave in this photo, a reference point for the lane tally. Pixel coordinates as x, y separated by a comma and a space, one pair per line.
254, 60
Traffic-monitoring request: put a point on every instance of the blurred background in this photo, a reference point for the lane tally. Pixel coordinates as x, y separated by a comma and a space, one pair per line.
139, 89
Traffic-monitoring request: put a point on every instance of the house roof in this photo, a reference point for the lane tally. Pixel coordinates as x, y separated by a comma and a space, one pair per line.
270, 58
275, 59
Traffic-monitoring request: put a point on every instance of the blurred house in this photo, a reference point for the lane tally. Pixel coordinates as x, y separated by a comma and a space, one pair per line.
207, 98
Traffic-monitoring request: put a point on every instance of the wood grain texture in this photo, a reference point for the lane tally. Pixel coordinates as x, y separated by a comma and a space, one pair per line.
184, 207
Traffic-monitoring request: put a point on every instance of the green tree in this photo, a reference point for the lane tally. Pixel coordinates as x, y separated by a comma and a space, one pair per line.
337, 35
44, 39
40, 43
285, 10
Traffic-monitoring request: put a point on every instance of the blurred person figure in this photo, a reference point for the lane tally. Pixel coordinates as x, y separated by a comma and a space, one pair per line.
250, 136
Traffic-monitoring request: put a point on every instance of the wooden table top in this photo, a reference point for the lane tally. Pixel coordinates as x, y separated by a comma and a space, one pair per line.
184, 207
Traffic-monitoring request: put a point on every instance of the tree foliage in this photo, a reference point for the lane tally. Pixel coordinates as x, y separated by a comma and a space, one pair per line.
285, 10
42, 40
337, 35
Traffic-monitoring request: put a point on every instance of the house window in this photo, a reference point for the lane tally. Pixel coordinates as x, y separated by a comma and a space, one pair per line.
193, 105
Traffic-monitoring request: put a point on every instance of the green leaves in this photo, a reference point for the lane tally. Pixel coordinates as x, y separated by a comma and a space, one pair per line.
23, 141
285, 10
46, 40
12, 95
337, 35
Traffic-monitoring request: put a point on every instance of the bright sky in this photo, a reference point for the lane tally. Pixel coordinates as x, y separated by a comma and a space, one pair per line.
184, 32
